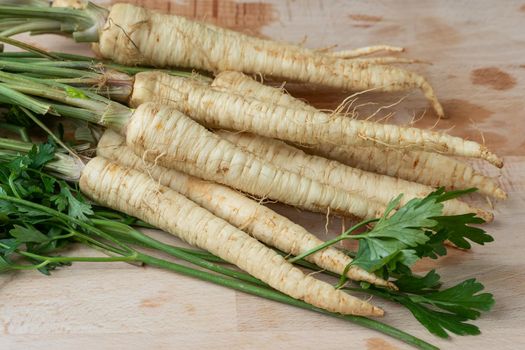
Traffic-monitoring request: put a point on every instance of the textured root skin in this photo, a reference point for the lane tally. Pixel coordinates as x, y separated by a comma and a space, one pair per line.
244, 213
428, 168
363, 51
379, 188
163, 135
216, 108
134, 193
134, 35
418, 166
237, 82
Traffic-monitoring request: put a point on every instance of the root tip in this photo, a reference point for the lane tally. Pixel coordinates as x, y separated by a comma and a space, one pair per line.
500, 194
485, 215
491, 157
377, 311
392, 286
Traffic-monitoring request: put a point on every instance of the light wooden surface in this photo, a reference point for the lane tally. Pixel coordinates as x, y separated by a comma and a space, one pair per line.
477, 49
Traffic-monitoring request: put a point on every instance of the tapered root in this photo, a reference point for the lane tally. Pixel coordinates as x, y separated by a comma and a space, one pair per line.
246, 214
219, 109
164, 135
363, 51
136, 194
431, 169
134, 35
389, 60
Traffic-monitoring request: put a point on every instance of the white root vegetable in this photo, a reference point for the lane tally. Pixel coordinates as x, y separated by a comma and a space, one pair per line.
219, 109
427, 168
431, 169
246, 214
134, 193
163, 135
379, 188
134, 35
363, 51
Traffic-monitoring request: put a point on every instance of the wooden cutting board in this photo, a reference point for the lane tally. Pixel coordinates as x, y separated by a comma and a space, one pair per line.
477, 51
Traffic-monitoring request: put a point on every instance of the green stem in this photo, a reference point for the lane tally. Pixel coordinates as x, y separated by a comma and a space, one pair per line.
15, 145
17, 98
45, 25
285, 299
65, 15
51, 68
12, 185
61, 55
29, 48
66, 218
343, 236
87, 106
76, 113
125, 230
48, 131
64, 166
61, 259
20, 130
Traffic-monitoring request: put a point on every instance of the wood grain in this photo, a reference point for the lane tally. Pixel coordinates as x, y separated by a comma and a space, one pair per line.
477, 50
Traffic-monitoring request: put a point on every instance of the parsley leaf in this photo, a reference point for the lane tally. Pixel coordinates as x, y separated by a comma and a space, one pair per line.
443, 311
458, 229
77, 207
417, 229
415, 284
438, 322
460, 299
41, 154
28, 235
391, 241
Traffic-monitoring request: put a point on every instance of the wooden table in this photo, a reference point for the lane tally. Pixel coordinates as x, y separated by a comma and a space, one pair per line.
478, 53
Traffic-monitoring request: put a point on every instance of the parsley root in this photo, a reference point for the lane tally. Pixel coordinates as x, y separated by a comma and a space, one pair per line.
134, 35
109, 184
216, 108
427, 168
246, 214
431, 169
377, 187
164, 136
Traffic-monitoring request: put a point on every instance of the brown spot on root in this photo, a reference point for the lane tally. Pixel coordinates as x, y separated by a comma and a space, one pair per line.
522, 8
492, 77
365, 18
379, 344
246, 17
